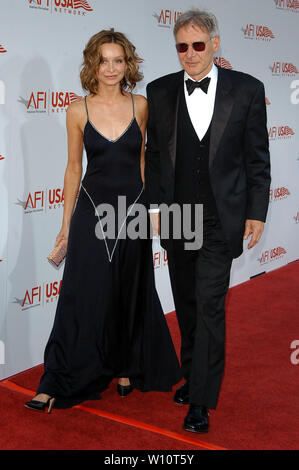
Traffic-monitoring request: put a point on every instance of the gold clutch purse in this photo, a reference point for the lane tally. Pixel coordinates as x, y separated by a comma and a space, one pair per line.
58, 254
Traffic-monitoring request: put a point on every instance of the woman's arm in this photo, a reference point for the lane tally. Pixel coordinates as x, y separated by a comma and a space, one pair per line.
154, 217
73, 172
141, 116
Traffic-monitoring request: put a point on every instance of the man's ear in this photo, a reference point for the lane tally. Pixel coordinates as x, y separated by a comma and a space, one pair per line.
216, 43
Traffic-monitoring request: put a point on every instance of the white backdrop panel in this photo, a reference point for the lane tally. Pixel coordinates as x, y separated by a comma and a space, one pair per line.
41, 44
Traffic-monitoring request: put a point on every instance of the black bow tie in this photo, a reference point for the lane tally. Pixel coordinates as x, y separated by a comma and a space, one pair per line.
203, 84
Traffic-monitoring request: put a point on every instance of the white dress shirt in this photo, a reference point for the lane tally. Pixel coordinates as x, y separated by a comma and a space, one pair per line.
200, 105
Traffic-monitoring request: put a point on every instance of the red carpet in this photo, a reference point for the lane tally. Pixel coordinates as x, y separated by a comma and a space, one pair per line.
258, 406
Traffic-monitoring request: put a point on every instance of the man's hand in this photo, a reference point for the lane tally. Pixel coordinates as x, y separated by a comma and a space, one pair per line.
254, 228
155, 222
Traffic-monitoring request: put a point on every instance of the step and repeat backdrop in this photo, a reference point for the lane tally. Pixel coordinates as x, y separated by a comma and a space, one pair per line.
41, 44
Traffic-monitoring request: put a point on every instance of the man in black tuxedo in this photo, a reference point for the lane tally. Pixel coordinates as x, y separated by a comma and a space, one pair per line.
207, 143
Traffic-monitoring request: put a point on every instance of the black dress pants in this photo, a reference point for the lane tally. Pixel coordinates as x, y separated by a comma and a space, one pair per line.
200, 281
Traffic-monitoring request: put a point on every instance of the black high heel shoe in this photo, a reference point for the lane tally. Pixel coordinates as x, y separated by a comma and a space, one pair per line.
41, 405
124, 390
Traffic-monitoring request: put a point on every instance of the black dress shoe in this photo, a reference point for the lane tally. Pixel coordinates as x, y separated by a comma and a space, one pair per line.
181, 396
124, 390
197, 419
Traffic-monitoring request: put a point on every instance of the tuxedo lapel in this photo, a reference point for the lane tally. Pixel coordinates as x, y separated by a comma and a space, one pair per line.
172, 104
222, 110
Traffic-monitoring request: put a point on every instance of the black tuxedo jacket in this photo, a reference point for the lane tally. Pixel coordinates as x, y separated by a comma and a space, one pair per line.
239, 160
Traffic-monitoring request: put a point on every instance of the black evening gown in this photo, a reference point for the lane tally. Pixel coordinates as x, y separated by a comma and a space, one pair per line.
109, 321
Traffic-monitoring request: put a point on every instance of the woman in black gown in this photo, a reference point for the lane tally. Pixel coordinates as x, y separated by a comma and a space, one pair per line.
109, 321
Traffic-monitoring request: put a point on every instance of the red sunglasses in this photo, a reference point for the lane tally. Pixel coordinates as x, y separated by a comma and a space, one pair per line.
197, 46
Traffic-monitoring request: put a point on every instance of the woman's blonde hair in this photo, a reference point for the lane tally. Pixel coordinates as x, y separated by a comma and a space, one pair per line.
92, 59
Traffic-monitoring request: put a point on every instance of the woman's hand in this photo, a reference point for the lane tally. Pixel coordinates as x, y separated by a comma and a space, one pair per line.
62, 235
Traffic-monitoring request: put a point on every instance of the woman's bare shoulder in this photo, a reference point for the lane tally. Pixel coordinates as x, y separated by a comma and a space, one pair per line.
141, 100
77, 108
141, 103
76, 113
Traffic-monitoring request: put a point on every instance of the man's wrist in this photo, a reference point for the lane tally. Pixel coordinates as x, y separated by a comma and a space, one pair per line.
154, 211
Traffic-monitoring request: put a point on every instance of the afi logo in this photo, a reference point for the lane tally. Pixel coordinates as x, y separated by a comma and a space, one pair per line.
280, 132
32, 297
258, 32
272, 255
38, 101
160, 258
2, 50
283, 69
45, 4
1, 158
278, 194
167, 18
34, 202
222, 62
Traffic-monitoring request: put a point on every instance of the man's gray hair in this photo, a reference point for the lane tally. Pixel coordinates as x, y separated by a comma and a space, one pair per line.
201, 18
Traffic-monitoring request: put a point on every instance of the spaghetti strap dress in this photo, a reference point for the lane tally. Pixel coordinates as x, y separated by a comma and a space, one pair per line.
109, 320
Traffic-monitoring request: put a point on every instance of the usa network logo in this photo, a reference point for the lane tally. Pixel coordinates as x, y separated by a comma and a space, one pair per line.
274, 254
257, 32
222, 62
289, 5
48, 102
71, 7
283, 69
278, 194
42, 200
280, 132
40, 294
167, 18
